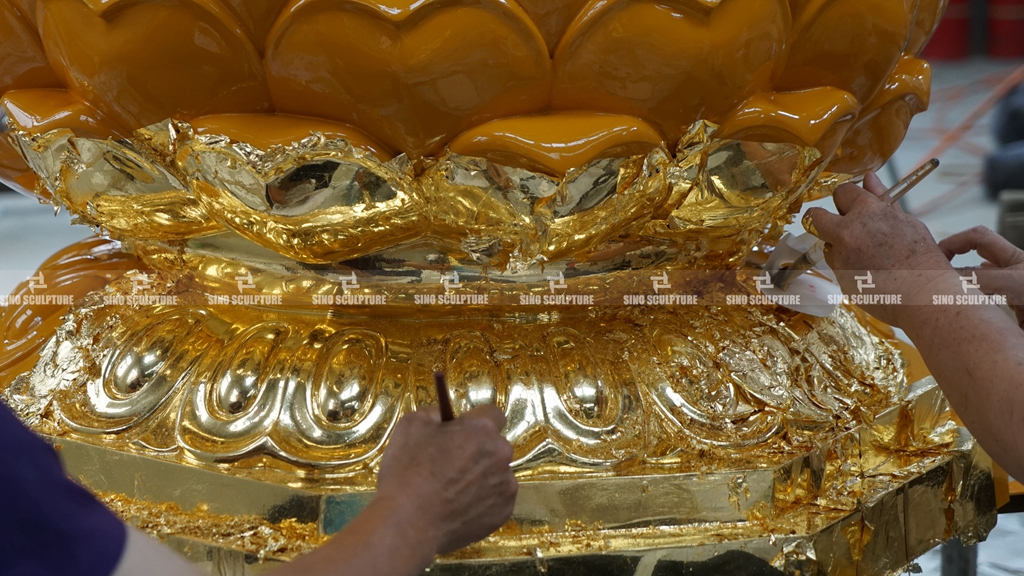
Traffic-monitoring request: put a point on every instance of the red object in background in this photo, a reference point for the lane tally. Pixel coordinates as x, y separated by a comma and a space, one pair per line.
952, 38
1006, 28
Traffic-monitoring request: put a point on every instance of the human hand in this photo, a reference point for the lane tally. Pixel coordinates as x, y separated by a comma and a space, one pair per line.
1003, 270
870, 235
456, 475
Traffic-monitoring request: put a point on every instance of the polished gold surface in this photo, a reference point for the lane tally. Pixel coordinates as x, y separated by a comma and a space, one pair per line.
265, 540
322, 201
244, 440
315, 204
800, 452
209, 384
866, 501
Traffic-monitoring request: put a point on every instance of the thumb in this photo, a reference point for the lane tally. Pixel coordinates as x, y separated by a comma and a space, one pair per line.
823, 224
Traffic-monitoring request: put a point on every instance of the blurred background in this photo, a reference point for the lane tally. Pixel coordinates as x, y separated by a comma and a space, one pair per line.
975, 125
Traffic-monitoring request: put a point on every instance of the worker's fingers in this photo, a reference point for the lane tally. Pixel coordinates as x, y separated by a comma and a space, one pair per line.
988, 244
822, 223
488, 412
433, 412
848, 196
992, 280
873, 184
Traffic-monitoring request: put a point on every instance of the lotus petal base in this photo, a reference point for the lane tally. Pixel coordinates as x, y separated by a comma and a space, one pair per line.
245, 435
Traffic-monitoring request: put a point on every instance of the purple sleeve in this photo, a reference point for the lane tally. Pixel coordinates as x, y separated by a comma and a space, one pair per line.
49, 525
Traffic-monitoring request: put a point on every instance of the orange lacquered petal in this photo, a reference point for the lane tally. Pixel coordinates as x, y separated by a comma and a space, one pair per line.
414, 75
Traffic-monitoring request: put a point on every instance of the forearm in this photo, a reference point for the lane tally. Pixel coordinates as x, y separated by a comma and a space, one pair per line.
976, 354
385, 539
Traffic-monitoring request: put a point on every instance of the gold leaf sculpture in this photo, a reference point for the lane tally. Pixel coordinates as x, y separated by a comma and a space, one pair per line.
307, 208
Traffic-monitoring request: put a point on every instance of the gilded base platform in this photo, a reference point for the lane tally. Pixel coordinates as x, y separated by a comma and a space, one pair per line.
906, 500
643, 437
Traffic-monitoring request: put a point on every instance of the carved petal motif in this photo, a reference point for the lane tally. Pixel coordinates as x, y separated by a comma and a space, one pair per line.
14, 172
140, 377
852, 45
187, 58
266, 130
702, 398
883, 123
315, 398
414, 74
217, 384
76, 270
22, 65
232, 409
345, 398
565, 404
553, 17
256, 17
39, 111
818, 117
670, 63
926, 20
557, 143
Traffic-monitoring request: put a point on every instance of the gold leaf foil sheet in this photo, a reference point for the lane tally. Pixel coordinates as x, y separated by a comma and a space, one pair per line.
34, 310
319, 200
282, 540
880, 534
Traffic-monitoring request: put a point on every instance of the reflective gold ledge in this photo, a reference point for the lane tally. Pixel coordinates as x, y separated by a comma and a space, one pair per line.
323, 201
215, 263
897, 443
657, 499
936, 498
